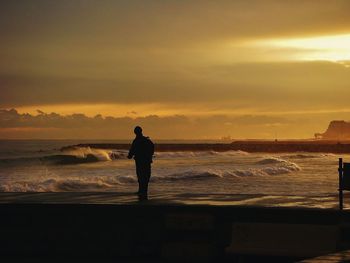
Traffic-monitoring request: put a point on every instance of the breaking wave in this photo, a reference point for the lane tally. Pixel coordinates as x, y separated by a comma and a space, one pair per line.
281, 166
60, 185
186, 154
99, 154
76, 155
59, 159
308, 156
271, 160
81, 155
188, 175
105, 183
301, 156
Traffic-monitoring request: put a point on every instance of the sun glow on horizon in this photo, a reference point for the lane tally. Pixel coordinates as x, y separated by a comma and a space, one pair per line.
334, 48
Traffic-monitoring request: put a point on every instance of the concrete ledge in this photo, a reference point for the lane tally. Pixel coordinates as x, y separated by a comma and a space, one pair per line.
158, 232
292, 240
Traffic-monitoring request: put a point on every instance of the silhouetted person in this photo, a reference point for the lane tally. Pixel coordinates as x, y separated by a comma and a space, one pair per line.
142, 149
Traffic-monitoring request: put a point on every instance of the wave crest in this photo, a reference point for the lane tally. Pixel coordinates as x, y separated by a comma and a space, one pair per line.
99, 154
271, 160
76, 155
281, 166
186, 154
61, 185
308, 156
188, 175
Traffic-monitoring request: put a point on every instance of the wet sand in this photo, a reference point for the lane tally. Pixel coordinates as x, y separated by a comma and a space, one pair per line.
315, 201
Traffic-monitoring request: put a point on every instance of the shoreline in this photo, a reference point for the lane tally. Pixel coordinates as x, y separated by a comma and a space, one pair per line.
327, 201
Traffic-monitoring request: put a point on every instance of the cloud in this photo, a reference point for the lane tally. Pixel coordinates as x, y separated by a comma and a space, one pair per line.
184, 54
168, 52
273, 85
168, 23
79, 126
14, 125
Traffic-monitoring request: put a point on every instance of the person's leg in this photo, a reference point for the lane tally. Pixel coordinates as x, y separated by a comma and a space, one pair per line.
139, 177
143, 183
147, 176
144, 178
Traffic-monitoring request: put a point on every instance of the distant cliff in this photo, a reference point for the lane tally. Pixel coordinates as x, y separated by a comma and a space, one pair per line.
337, 130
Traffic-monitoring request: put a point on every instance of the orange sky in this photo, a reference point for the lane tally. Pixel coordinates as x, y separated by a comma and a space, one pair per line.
249, 69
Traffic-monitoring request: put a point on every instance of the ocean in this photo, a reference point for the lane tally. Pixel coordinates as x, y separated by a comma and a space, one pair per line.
279, 179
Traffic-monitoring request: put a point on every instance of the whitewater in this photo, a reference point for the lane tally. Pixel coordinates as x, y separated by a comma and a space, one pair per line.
41, 166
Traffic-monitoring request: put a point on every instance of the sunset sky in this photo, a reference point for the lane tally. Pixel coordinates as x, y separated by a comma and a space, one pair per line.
181, 69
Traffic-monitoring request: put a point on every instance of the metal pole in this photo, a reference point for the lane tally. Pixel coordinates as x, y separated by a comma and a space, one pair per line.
340, 169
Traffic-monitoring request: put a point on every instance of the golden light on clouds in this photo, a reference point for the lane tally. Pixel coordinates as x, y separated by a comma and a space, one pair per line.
132, 110
253, 63
334, 48
91, 110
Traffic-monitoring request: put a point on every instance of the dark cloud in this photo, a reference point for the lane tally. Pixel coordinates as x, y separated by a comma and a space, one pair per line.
274, 86
14, 125
156, 51
157, 23
53, 125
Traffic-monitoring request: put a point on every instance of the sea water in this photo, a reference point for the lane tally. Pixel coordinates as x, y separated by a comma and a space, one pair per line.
41, 166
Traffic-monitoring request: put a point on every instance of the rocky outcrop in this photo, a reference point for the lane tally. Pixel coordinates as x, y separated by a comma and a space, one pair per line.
337, 130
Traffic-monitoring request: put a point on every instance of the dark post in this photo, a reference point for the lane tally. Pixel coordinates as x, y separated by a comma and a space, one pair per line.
340, 169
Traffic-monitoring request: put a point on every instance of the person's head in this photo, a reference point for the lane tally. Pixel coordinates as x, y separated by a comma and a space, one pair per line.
138, 130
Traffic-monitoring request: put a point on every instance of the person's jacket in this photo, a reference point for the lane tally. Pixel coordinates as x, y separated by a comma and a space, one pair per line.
142, 149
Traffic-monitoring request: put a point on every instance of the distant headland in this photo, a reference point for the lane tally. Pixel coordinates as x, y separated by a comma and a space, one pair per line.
337, 130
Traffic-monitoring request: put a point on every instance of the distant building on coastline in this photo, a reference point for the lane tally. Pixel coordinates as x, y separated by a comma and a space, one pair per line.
337, 130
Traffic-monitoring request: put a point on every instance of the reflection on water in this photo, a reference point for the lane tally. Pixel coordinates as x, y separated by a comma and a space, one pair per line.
233, 177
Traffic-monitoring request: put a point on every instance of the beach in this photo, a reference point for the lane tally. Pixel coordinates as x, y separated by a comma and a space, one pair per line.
64, 200
174, 131
254, 200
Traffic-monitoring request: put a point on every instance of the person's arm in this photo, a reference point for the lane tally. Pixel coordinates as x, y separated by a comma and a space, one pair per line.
132, 150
